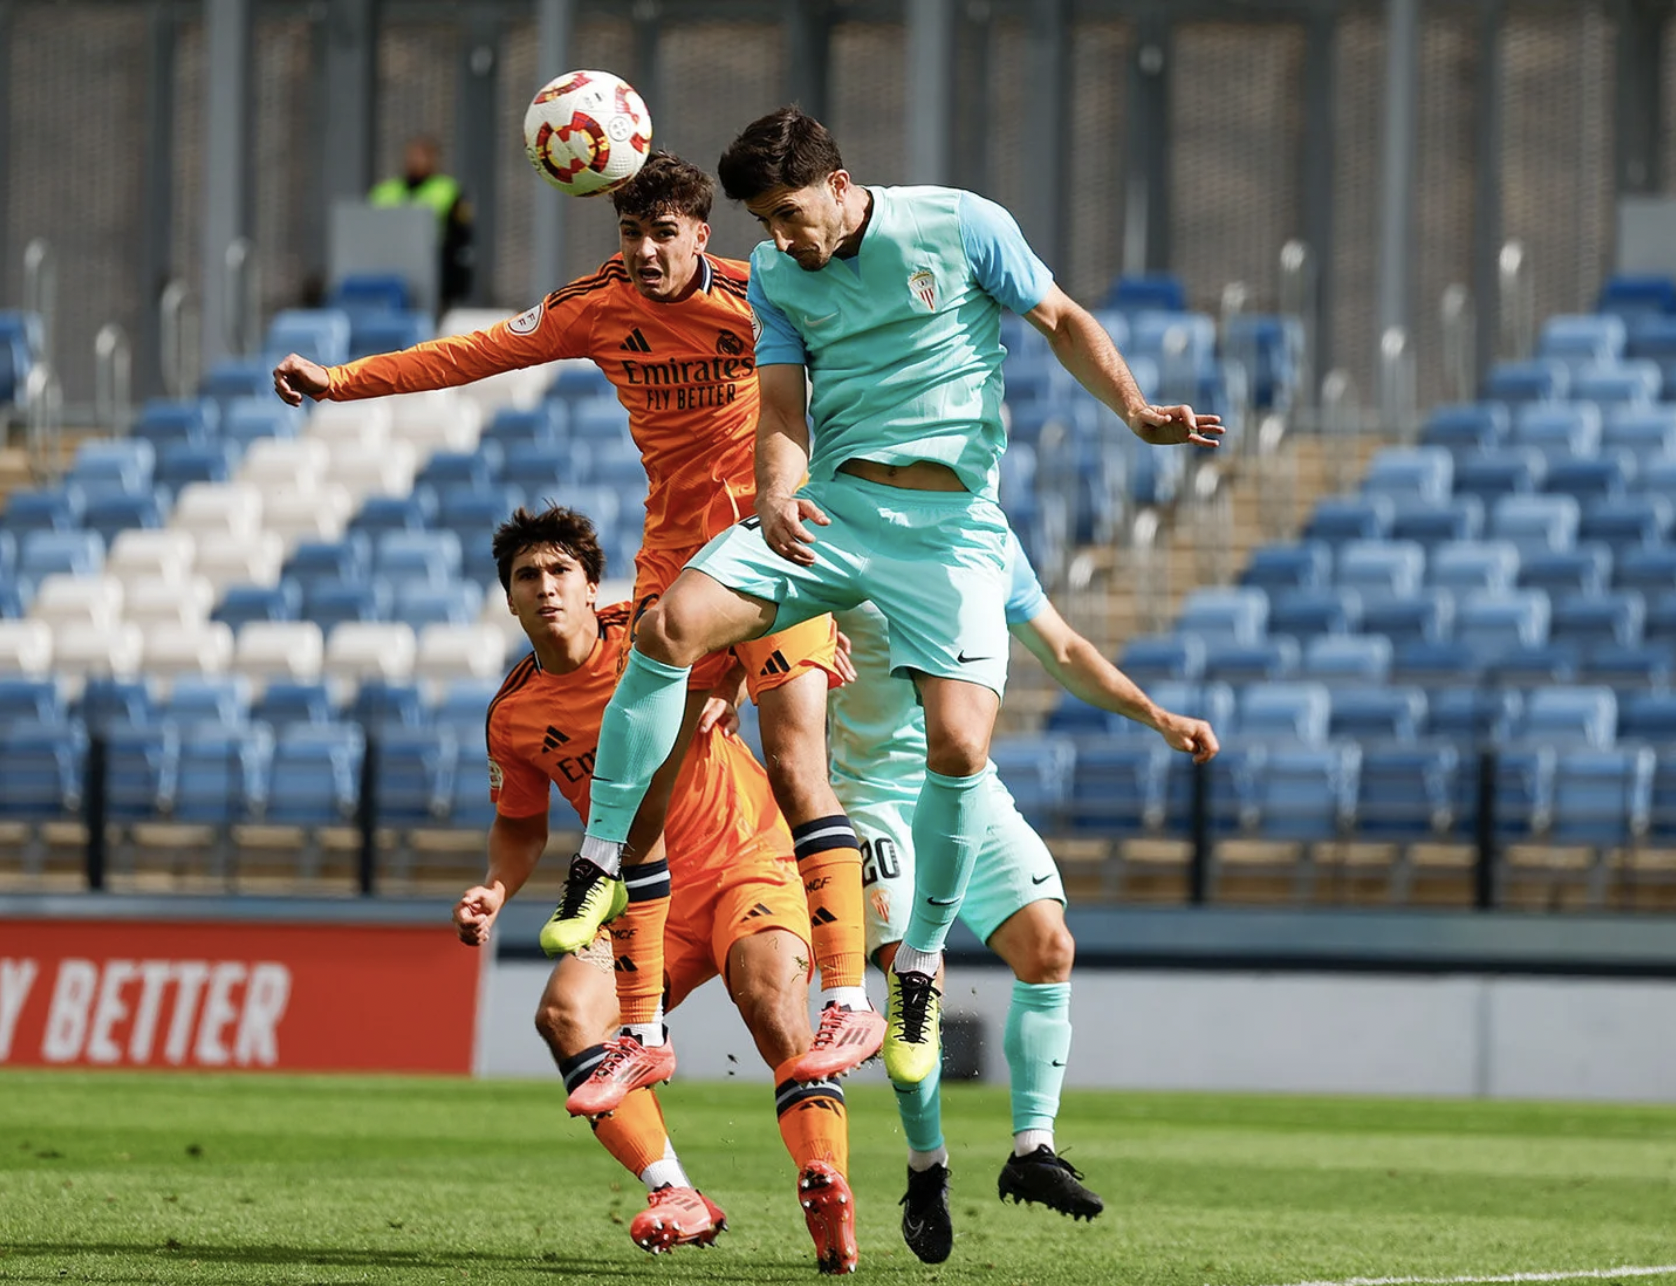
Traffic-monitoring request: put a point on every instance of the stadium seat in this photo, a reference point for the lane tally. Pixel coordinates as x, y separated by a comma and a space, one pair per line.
1232, 783
36, 699
1586, 716
75, 553
25, 648
1377, 713
1494, 621
1269, 349
141, 763
1220, 616
1463, 566
319, 334
330, 603
105, 701
1303, 566
1212, 702
1633, 295
1434, 661
378, 702
223, 772
1629, 383
1073, 718
1307, 794
1589, 619
1168, 656
1411, 473
1534, 666
366, 470
439, 420
279, 464
41, 770
236, 378
1407, 793
1586, 569
1429, 525
1342, 518
1558, 428
1592, 479
125, 463
354, 426
1644, 431
1038, 772
461, 701
221, 698
1536, 522
318, 513
1523, 792
1512, 471
151, 555
380, 514
1631, 668
80, 651
1117, 787
243, 604
415, 774
1583, 339
1466, 426
1285, 711
253, 562
370, 293
202, 648
1427, 616
1306, 614
286, 702
1138, 292
1266, 660
111, 513
252, 422
1536, 380
279, 650
470, 806
476, 469
1348, 659
50, 509
455, 603
430, 556
1473, 715
1602, 797
361, 650
1627, 521
93, 601
218, 513
348, 559
1375, 567
316, 775
190, 422
1645, 569
544, 424
388, 332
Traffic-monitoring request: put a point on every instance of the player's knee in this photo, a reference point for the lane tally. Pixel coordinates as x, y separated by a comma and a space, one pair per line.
799, 781
562, 1027
666, 636
1052, 952
959, 753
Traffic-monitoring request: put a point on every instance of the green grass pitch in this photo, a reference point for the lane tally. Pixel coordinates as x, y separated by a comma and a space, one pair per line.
133, 1178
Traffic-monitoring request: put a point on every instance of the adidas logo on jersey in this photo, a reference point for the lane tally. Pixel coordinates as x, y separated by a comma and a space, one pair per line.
636, 342
553, 740
823, 915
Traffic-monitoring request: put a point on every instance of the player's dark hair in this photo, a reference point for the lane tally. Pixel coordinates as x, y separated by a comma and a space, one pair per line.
566, 528
666, 185
785, 149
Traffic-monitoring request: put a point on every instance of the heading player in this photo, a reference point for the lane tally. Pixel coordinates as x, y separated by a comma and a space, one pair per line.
669, 325
887, 301
737, 909
1015, 903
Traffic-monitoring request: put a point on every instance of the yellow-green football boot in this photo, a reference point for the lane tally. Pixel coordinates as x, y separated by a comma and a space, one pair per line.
591, 899
913, 1027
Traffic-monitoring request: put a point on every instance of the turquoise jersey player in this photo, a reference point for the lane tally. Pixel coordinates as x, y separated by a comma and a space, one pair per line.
1014, 903
887, 301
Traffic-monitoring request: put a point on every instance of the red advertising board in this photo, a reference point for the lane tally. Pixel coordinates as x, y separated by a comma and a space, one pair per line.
228, 996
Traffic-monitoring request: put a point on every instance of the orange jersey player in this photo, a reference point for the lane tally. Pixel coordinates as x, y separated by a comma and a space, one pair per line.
736, 910
669, 325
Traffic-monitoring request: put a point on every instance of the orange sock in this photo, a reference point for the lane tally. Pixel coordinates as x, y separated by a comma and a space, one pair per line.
829, 864
813, 1121
635, 1132
637, 942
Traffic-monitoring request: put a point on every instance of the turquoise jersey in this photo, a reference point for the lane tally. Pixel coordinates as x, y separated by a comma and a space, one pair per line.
902, 341
875, 725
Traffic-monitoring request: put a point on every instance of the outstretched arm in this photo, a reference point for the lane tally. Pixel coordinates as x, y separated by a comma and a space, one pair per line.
1077, 666
1083, 348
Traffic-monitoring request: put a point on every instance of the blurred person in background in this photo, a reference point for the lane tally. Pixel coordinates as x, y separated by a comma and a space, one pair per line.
422, 182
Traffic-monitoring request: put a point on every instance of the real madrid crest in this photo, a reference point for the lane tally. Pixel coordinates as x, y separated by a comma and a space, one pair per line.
924, 286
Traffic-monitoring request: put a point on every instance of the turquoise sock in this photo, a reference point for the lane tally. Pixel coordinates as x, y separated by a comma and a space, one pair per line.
921, 1110
635, 737
1038, 1045
949, 824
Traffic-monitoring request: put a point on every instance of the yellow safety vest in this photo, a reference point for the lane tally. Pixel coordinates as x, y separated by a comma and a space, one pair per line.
439, 192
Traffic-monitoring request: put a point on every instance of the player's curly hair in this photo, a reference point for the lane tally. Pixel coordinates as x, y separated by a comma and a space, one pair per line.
666, 185
554, 525
785, 149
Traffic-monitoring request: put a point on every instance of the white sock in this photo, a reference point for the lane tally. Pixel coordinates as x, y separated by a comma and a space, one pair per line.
1027, 1141
846, 997
922, 1161
648, 1034
911, 960
666, 1171
603, 853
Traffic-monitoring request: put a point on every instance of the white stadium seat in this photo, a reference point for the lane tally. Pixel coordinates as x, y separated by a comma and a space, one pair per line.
279, 650
203, 648
359, 422
440, 420
274, 465
254, 561
63, 599
144, 553
157, 601
372, 469
369, 650
320, 512
460, 651
80, 650
216, 512
25, 648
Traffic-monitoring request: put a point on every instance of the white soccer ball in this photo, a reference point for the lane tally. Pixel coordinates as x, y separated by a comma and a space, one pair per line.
587, 132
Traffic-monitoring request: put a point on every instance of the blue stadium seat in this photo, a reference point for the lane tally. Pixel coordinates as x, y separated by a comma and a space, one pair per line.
1471, 714
379, 514
1286, 712
242, 604
1269, 348
1536, 522
8, 555
388, 332
38, 700
1523, 792
1117, 787
456, 603
1627, 521
41, 769
223, 773
1467, 426
1411, 473
599, 420
193, 421
105, 701
1461, 566
580, 380
470, 807
541, 470
1645, 431
1407, 793
209, 698
1435, 661
1659, 625
1382, 713
363, 293
432, 556
1602, 798
1652, 337
1583, 339
1341, 518
49, 509
128, 463
1232, 787
1495, 621
1536, 665
1137, 292
1632, 295
1588, 619
1072, 717
1627, 669
141, 763
329, 603
379, 702
1648, 717
1348, 659
474, 508
1381, 567
1536, 380
1584, 569
1307, 794
1586, 716
1267, 660
414, 778
180, 463
41, 553
475, 470
319, 334
285, 703
316, 775
1592, 479
1630, 383
1646, 569
1424, 617
109, 513
249, 418
1428, 525
464, 701
1303, 566
1165, 656
236, 378
11, 598
339, 560
1038, 772
1512, 471
543, 425
1307, 614
1221, 616
24, 330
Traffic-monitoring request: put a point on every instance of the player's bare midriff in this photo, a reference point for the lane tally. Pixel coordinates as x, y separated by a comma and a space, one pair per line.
918, 475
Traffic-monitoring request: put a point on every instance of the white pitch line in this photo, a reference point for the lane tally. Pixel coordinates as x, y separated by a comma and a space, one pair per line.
1662, 1270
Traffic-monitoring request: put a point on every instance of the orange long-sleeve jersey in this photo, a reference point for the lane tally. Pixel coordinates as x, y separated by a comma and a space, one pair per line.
686, 372
544, 727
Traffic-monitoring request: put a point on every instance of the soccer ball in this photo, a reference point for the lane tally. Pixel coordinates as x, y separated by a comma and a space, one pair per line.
587, 132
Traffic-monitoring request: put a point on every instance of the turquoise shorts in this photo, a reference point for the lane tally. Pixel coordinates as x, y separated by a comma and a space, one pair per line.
1013, 868
934, 562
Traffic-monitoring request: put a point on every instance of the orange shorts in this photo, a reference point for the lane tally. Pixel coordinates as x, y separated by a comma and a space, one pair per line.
752, 891
769, 662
